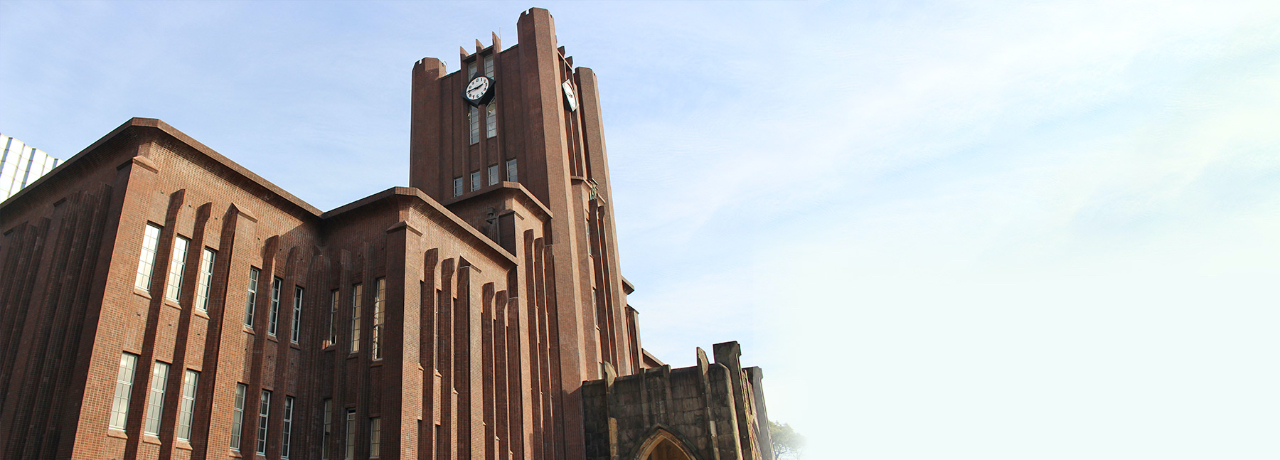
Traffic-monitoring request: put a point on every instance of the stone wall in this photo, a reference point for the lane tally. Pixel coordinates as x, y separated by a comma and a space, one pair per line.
714, 410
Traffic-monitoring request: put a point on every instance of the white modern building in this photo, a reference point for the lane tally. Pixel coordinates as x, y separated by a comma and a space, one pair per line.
20, 165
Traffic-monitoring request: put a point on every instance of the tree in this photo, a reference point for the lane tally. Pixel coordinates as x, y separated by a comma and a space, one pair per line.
787, 443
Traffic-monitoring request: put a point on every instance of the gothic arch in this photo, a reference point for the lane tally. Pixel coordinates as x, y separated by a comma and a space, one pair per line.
664, 445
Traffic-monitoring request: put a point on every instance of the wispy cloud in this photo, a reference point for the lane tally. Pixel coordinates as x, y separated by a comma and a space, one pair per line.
995, 230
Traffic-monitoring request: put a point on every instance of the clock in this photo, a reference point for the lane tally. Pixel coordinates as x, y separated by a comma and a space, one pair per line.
479, 90
569, 96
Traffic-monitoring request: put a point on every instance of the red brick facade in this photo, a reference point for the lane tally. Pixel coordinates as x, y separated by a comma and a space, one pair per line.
456, 325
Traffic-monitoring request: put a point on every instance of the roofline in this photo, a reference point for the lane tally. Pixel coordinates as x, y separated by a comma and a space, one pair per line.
517, 189
431, 203
153, 123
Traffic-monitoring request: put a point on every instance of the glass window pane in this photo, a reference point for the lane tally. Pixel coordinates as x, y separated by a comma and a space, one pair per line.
275, 305
355, 318
252, 297
264, 410
186, 412
177, 264
379, 298
155, 403
124, 389
147, 260
237, 416
296, 320
206, 279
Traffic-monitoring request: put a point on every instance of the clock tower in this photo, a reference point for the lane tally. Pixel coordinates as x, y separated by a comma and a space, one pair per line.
513, 144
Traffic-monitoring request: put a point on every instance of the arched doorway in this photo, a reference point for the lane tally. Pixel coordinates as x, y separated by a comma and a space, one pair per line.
663, 445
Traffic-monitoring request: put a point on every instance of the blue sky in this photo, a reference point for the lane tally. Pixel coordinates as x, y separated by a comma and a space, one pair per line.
988, 230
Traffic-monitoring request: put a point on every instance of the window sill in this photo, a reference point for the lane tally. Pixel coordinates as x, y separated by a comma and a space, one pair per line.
376, 363
150, 439
248, 330
184, 445
172, 303
272, 338
235, 453
141, 293
202, 313
115, 433
295, 346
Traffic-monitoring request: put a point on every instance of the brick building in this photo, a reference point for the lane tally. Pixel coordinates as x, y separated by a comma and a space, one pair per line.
159, 301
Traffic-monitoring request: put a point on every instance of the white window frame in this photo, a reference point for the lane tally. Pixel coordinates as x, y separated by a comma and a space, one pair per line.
511, 171
287, 430
327, 438
457, 186
491, 120
334, 295
274, 321
155, 400
475, 181
375, 437
206, 279
296, 322
356, 292
254, 275
187, 409
264, 417
177, 267
379, 303
493, 174
350, 440
237, 417
124, 391
473, 119
147, 259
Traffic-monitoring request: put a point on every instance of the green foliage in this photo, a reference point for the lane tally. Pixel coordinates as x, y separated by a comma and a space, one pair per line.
787, 443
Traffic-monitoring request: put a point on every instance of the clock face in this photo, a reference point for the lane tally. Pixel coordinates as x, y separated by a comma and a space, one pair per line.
479, 90
569, 96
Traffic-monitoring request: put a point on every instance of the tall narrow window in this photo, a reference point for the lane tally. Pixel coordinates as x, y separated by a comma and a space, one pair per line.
488, 66
187, 410
355, 317
275, 306
147, 261
493, 174
327, 440
124, 389
206, 279
253, 296
473, 118
297, 315
591, 249
287, 429
264, 410
375, 437
379, 299
351, 434
511, 171
177, 264
237, 416
155, 403
471, 70
475, 180
333, 315
491, 120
